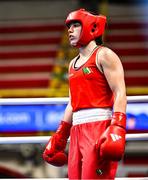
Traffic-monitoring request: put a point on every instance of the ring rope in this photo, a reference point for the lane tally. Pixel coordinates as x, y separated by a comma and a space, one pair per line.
45, 139
61, 100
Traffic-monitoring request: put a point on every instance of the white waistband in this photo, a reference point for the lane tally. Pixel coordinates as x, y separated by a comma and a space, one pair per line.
91, 115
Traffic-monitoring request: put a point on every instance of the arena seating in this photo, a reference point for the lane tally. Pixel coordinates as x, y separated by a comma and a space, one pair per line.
132, 63
126, 35
27, 55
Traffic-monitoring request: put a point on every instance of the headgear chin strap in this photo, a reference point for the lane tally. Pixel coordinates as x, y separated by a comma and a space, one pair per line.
93, 26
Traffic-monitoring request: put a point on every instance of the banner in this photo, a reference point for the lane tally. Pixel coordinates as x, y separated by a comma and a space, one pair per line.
30, 118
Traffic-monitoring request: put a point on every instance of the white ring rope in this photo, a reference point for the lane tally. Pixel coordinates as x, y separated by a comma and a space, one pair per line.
33, 101
62, 100
45, 139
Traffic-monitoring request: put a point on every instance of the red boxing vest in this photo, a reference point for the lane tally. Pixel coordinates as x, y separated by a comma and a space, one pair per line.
88, 86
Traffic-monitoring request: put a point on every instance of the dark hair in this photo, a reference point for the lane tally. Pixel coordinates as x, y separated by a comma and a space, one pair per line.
99, 40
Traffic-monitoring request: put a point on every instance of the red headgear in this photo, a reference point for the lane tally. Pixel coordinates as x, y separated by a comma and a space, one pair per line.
93, 26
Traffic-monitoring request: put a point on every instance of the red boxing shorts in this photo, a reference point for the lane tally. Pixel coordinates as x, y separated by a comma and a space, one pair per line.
84, 161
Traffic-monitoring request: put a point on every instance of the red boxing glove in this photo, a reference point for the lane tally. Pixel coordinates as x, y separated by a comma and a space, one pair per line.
112, 142
54, 152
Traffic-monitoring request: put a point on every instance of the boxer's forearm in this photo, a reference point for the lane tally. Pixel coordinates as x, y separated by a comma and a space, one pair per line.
68, 113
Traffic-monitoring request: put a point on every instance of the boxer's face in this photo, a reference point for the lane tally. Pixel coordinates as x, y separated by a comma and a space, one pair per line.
74, 31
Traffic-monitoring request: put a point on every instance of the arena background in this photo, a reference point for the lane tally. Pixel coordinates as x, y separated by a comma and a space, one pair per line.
34, 57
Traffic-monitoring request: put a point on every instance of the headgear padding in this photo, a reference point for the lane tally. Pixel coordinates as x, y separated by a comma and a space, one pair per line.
93, 26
